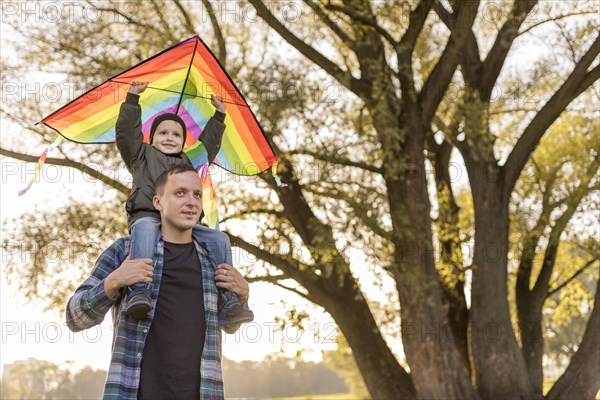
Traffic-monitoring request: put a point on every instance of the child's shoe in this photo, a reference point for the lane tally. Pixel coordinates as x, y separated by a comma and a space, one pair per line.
231, 311
139, 304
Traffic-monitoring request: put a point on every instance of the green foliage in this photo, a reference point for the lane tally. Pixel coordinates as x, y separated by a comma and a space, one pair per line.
59, 248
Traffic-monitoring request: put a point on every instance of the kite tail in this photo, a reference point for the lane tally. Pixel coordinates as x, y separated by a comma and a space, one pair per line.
209, 204
276, 177
41, 162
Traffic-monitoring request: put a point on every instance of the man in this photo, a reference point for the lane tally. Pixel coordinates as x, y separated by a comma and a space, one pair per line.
176, 351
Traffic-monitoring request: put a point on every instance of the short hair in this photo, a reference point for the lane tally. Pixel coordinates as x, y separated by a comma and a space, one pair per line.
161, 181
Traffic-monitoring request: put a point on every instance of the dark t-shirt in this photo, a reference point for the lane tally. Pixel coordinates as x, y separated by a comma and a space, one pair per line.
171, 359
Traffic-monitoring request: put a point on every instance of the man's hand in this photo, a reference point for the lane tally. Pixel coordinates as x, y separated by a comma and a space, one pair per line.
130, 272
218, 103
138, 87
229, 278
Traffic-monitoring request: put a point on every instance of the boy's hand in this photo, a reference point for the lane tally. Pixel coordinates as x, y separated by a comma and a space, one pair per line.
218, 103
138, 87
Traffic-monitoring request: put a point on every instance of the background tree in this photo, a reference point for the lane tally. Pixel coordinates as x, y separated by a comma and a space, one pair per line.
357, 167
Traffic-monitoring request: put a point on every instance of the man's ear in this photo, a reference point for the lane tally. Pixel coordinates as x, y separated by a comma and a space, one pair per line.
156, 203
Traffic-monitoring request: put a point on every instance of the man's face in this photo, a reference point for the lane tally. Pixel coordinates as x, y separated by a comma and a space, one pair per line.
180, 203
168, 137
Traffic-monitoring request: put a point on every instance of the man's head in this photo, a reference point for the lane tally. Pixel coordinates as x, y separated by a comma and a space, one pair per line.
179, 199
167, 133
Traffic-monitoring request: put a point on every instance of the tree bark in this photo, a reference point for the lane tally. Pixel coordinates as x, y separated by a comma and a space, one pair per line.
581, 380
532, 339
451, 259
429, 344
501, 372
383, 375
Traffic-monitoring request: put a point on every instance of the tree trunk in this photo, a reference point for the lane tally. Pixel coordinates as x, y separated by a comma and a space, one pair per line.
451, 258
436, 369
532, 340
501, 372
383, 375
581, 379
529, 315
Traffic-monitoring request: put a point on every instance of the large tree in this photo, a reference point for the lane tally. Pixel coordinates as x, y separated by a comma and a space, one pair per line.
357, 167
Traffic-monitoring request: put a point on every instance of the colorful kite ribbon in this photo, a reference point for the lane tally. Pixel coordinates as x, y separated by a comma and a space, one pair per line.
40, 163
209, 204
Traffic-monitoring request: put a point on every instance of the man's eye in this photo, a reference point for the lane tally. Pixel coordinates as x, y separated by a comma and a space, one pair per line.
179, 193
198, 195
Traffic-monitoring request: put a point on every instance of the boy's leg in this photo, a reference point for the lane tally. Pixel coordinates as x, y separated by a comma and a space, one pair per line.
216, 242
145, 233
219, 249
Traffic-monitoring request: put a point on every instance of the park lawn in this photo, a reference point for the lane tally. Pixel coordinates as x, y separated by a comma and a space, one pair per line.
337, 396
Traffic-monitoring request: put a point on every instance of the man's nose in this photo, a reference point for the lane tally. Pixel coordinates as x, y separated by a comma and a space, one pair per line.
191, 199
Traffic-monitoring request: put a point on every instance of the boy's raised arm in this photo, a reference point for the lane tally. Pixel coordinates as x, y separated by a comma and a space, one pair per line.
129, 125
213, 131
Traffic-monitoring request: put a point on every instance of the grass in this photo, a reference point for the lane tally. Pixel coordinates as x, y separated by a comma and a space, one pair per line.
336, 396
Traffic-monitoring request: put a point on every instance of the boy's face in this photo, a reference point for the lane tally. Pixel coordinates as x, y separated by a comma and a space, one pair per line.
168, 137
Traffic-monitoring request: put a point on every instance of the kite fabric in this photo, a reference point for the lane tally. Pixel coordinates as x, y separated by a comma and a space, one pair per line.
181, 80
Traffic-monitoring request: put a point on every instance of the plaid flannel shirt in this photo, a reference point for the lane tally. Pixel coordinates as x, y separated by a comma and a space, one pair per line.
89, 306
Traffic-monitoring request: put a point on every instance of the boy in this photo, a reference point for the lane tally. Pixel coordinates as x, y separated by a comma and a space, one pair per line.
146, 163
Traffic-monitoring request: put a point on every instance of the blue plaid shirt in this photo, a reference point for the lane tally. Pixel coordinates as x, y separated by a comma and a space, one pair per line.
89, 306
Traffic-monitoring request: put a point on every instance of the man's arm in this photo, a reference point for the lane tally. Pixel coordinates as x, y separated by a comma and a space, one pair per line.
129, 125
97, 294
90, 303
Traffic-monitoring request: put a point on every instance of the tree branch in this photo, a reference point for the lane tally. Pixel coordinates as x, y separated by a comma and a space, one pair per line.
436, 84
276, 280
577, 82
253, 211
165, 25
554, 20
365, 19
543, 280
296, 270
69, 163
344, 77
416, 21
328, 21
338, 160
555, 290
117, 11
186, 17
493, 63
217, 30
360, 211
471, 63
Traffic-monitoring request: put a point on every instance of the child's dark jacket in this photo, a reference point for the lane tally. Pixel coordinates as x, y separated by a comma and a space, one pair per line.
145, 163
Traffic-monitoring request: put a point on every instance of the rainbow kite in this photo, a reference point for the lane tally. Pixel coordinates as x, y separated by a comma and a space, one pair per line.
181, 80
